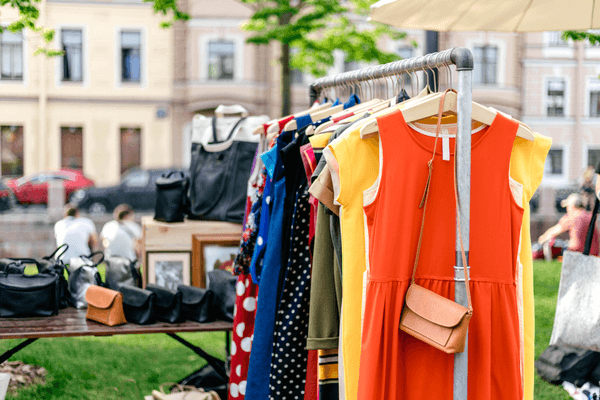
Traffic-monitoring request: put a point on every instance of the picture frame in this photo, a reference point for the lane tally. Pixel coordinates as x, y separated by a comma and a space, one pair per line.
168, 269
210, 250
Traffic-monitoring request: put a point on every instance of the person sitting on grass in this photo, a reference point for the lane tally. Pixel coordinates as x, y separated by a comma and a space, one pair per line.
576, 221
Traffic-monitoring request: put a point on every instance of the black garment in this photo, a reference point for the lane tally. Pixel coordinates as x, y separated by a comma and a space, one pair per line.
290, 357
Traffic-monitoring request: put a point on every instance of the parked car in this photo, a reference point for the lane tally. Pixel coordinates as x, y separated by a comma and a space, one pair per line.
137, 188
33, 188
6, 197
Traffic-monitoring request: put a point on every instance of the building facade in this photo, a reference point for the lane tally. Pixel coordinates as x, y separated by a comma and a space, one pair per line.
124, 93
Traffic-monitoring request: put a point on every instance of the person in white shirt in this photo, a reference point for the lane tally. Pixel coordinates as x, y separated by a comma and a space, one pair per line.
122, 236
77, 232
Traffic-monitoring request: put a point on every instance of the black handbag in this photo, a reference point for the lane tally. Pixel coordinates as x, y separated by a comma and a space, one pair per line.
28, 295
122, 271
167, 306
138, 304
222, 283
50, 264
219, 177
209, 379
196, 303
565, 363
171, 197
83, 273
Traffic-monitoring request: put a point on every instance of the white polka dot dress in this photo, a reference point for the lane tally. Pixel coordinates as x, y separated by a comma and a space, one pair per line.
289, 357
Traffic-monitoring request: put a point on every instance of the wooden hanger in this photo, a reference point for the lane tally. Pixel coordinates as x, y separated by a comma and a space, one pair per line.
315, 116
430, 106
371, 105
274, 125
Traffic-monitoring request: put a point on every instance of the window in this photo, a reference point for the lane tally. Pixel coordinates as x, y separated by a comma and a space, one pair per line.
221, 60
11, 55
595, 104
554, 162
593, 157
405, 52
12, 150
131, 139
555, 39
556, 98
72, 147
484, 69
137, 179
72, 45
130, 56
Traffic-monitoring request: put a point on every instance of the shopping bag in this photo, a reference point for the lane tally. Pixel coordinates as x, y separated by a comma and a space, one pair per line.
577, 317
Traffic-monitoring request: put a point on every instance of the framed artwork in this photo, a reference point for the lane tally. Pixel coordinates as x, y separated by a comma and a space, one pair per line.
169, 269
210, 252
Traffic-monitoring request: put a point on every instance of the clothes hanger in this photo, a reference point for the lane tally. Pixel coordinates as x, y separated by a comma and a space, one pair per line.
430, 106
274, 123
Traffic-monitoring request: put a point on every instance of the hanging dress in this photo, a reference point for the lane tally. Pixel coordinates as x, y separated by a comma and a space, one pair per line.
393, 364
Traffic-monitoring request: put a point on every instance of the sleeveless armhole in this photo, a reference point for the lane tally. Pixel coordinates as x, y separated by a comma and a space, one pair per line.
340, 168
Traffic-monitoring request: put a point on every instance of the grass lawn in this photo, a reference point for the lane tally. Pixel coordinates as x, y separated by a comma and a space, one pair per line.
129, 367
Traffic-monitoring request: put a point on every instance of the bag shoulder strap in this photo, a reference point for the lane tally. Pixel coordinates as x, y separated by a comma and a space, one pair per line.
591, 228
425, 197
229, 135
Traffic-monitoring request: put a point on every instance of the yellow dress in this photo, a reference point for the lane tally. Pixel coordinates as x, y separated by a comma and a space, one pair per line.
362, 155
527, 167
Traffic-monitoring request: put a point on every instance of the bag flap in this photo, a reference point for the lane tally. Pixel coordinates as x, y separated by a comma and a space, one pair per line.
433, 307
100, 297
134, 296
165, 298
192, 295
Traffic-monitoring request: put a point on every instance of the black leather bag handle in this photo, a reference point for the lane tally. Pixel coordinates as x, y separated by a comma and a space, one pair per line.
65, 246
591, 228
91, 258
229, 135
167, 175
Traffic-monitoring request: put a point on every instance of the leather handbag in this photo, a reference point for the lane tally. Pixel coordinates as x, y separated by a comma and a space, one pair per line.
83, 272
222, 284
50, 264
577, 316
122, 271
105, 306
138, 304
426, 315
171, 196
196, 303
167, 306
219, 175
24, 295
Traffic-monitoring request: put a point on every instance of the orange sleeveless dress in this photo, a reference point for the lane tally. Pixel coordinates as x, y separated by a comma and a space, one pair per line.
394, 365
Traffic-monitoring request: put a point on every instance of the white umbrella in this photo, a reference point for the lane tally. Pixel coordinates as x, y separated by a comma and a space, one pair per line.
488, 15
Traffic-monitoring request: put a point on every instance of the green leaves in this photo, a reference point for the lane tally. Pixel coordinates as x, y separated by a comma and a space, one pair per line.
592, 37
315, 28
166, 7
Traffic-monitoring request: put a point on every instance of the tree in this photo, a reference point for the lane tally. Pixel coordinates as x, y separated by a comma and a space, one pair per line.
315, 28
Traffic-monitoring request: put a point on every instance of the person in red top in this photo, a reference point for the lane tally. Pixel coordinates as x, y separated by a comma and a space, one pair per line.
576, 221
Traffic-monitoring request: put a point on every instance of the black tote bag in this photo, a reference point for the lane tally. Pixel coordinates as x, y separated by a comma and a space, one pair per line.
171, 197
219, 177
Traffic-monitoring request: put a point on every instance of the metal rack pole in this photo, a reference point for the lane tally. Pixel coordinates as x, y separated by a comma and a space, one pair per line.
463, 59
463, 177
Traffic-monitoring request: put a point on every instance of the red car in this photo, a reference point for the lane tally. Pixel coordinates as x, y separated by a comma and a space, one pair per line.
33, 188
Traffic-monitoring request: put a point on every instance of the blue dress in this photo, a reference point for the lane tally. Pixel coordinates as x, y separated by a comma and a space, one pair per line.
259, 369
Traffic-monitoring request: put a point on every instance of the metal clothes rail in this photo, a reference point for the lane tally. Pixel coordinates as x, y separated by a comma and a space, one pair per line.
462, 58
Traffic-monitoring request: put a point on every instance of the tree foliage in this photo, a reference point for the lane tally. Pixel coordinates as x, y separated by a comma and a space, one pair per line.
315, 28
593, 38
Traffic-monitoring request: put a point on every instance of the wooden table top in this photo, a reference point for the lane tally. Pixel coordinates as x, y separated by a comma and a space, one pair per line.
72, 322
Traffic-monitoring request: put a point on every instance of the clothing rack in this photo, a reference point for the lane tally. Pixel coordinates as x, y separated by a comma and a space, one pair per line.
462, 58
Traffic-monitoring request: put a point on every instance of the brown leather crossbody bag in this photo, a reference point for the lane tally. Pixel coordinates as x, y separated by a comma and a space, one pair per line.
105, 306
426, 315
